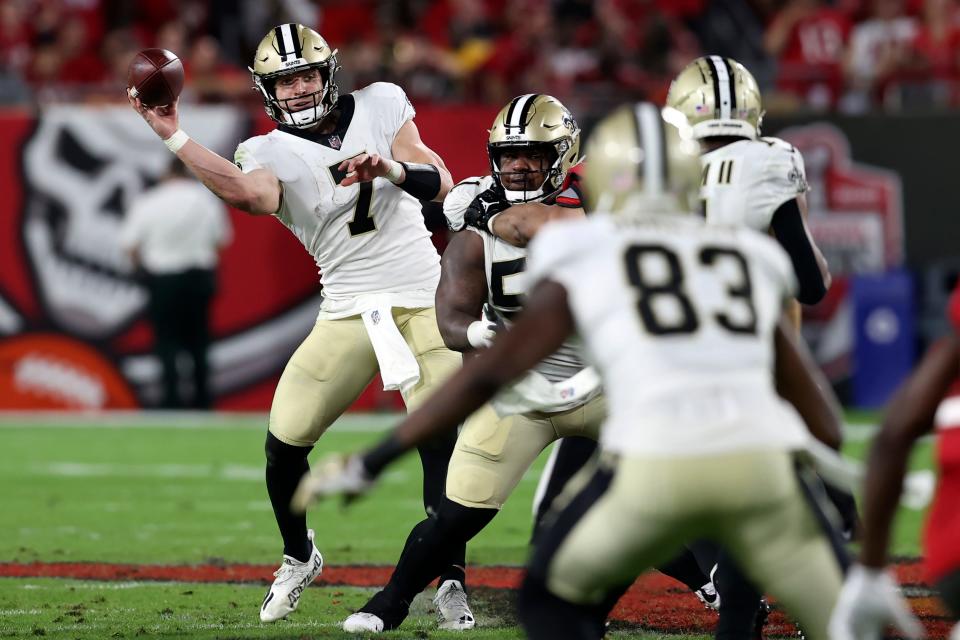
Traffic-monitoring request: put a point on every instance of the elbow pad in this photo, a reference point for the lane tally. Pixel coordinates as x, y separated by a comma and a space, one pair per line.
788, 227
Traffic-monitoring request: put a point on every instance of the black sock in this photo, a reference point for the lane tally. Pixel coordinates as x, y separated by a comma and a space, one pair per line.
544, 616
684, 568
286, 464
427, 554
434, 458
739, 601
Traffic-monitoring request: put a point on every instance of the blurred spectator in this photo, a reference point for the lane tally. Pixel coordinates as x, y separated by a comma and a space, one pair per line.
879, 50
808, 39
935, 57
211, 79
174, 234
820, 54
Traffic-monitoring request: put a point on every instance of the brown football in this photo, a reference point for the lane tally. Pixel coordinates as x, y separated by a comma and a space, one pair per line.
155, 76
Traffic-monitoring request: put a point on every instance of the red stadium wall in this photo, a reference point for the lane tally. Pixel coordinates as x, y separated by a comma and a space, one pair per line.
72, 332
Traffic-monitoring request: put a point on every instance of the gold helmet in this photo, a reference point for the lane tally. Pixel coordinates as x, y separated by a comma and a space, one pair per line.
535, 120
291, 48
719, 97
639, 160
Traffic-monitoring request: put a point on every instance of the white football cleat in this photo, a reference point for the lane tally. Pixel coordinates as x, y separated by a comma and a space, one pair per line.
453, 612
292, 578
363, 622
707, 594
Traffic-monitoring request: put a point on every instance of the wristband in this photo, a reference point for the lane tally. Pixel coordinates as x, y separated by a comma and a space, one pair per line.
490, 223
394, 172
176, 141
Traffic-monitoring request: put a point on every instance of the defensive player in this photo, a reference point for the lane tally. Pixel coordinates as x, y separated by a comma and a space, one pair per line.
682, 320
344, 174
533, 144
928, 400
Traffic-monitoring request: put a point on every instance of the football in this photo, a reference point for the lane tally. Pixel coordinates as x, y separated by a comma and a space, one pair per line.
155, 76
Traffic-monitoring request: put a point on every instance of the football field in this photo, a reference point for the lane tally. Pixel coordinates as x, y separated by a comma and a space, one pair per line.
155, 526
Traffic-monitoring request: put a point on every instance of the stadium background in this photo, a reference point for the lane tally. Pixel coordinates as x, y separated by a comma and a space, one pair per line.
868, 90
865, 88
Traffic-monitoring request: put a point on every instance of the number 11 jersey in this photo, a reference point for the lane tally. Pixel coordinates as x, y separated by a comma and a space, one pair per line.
679, 318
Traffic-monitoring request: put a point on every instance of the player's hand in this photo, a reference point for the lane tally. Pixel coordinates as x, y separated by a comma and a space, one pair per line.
364, 168
869, 601
335, 475
481, 333
163, 120
486, 205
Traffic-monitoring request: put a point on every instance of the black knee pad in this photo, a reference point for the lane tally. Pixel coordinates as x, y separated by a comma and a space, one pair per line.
280, 453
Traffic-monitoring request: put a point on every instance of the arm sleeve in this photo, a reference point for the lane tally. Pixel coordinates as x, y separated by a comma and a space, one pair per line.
791, 233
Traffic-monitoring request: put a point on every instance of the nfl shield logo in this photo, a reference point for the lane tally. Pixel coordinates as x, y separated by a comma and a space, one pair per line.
335, 142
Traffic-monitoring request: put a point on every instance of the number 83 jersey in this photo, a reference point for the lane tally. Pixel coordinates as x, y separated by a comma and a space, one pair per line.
679, 317
366, 238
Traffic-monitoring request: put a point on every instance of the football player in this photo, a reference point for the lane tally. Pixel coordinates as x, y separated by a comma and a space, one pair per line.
683, 321
929, 399
533, 144
345, 174
758, 182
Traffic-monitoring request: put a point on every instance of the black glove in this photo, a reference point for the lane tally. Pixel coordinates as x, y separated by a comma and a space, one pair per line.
486, 205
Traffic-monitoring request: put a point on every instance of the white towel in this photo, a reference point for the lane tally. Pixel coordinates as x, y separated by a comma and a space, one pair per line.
398, 366
534, 392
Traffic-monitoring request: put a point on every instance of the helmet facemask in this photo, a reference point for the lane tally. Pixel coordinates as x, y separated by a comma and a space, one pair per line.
324, 100
549, 166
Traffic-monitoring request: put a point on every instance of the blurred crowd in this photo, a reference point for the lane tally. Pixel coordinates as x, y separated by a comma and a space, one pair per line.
846, 55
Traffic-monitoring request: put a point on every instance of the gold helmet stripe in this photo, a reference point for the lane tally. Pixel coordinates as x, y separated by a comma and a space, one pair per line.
516, 120
651, 141
722, 85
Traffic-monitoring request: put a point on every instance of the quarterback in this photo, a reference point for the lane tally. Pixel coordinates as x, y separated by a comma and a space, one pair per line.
344, 174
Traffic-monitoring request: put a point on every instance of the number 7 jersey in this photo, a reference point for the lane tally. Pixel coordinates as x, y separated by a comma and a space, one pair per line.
368, 238
679, 318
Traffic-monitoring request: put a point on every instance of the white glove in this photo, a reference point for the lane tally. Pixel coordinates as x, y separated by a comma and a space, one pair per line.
868, 602
481, 333
334, 475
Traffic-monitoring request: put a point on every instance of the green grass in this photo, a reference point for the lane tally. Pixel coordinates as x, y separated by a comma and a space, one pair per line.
153, 494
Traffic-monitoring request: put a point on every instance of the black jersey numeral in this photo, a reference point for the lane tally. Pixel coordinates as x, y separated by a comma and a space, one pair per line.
660, 289
361, 222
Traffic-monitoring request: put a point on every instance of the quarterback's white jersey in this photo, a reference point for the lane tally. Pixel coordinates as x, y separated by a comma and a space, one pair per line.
678, 316
368, 238
504, 265
745, 182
